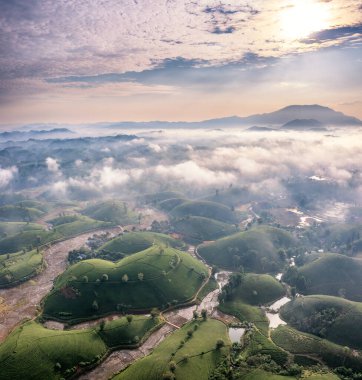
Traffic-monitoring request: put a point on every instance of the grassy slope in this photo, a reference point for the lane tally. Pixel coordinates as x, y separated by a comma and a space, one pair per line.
19, 214
12, 228
211, 210
155, 198
34, 204
255, 290
31, 351
331, 273
201, 229
340, 234
332, 354
19, 266
111, 211
160, 286
197, 366
259, 374
139, 241
33, 238
345, 330
169, 204
257, 249
259, 289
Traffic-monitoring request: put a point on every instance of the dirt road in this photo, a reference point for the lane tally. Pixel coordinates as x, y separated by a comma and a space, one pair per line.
21, 302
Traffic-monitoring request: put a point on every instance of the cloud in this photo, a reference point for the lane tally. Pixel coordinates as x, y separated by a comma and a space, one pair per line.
334, 34
191, 172
198, 161
7, 175
52, 165
121, 55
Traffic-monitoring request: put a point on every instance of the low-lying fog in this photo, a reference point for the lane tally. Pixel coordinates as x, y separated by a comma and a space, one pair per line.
282, 165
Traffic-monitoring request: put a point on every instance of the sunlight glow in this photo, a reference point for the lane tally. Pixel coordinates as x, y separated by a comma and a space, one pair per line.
303, 18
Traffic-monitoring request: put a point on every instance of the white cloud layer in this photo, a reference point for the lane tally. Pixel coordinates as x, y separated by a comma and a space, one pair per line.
7, 175
52, 165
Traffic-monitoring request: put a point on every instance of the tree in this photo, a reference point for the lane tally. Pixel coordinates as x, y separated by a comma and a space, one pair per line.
219, 343
204, 314
85, 278
293, 291
125, 278
195, 314
102, 325
129, 318
154, 313
172, 365
140, 276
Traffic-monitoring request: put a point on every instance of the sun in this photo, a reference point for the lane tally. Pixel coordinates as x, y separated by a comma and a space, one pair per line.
303, 18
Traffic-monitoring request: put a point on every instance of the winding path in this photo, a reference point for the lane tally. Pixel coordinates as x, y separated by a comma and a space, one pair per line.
22, 302
121, 359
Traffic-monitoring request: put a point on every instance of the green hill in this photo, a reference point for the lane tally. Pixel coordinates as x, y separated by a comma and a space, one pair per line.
111, 211
19, 267
330, 274
341, 237
258, 289
12, 228
133, 242
34, 238
194, 357
198, 229
259, 374
33, 352
254, 290
232, 196
332, 354
206, 209
256, 250
19, 213
156, 198
41, 206
338, 235
169, 204
157, 277
332, 318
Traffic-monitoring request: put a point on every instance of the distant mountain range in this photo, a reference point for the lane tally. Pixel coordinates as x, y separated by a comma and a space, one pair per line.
295, 117
323, 116
34, 134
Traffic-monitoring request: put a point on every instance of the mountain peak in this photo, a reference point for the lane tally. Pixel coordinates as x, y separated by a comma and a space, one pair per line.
325, 115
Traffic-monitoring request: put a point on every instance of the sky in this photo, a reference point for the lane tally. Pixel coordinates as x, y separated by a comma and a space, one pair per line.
80, 61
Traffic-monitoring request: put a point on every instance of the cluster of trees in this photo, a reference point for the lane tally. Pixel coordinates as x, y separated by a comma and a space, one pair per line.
237, 370
318, 323
294, 278
229, 289
162, 226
